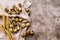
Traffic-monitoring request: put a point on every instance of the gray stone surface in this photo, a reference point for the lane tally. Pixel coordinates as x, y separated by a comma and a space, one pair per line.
45, 15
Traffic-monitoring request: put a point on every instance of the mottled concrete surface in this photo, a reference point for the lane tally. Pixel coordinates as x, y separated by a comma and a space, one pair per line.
45, 15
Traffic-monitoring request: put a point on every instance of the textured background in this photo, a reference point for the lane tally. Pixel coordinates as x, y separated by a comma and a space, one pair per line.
45, 15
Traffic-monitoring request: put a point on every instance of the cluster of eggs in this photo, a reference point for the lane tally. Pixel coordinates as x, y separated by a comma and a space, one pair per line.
17, 23
16, 10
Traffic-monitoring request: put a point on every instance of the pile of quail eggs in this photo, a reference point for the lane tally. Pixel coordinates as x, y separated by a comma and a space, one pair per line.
17, 23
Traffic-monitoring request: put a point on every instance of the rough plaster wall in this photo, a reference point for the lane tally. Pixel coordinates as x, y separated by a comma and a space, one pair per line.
45, 15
